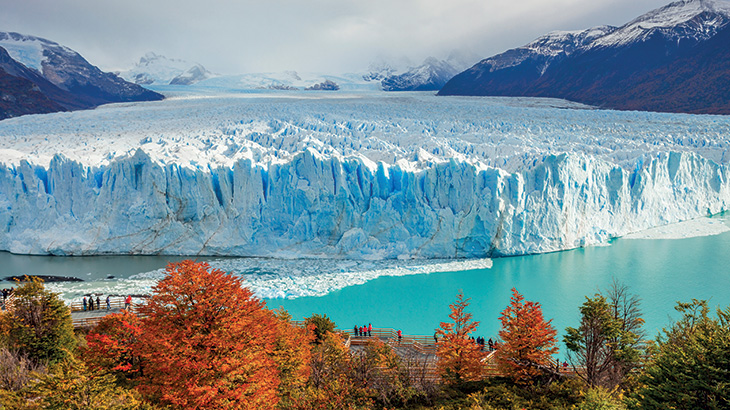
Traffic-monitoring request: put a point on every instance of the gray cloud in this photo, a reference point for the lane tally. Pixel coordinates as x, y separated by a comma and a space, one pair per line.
229, 36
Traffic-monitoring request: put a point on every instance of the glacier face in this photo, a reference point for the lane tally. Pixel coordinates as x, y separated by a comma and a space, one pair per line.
361, 175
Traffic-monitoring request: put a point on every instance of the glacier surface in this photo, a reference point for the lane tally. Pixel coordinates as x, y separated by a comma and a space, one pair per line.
358, 175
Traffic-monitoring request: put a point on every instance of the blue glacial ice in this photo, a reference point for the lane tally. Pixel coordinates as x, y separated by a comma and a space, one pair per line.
358, 176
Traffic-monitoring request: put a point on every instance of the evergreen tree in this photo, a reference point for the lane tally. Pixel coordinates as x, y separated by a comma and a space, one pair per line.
459, 358
528, 341
690, 368
608, 343
321, 325
38, 324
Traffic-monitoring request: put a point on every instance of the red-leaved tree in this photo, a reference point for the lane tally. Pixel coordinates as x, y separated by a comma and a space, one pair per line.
459, 358
109, 346
528, 341
207, 342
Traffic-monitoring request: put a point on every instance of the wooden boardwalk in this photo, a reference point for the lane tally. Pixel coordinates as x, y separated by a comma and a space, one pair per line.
89, 318
418, 352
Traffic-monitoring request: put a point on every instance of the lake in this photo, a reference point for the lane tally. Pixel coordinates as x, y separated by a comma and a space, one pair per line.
660, 271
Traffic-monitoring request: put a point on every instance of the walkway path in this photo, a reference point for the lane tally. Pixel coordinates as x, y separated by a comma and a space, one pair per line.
91, 318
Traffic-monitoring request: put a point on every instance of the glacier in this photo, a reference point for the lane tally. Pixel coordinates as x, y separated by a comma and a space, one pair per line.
358, 175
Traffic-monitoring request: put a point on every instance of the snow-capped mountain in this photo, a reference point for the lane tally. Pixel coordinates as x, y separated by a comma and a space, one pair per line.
429, 76
67, 78
669, 59
160, 70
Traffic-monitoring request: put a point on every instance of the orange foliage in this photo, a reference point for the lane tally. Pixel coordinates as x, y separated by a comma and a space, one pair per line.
109, 345
292, 354
528, 340
459, 358
333, 385
207, 342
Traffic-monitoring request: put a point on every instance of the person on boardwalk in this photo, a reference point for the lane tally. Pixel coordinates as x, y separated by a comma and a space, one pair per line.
400, 335
127, 302
91, 302
98, 302
84, 303
491, 344
108, 304
370, 330
354, 331
435, 338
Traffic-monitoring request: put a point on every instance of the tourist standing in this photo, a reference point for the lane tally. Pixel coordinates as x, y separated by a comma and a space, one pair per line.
108, 304
400, 335
354, 331
370, 330
84, 303
98, 302
127, 302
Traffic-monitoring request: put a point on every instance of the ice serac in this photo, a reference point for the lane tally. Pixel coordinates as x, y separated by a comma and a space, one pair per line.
316, 205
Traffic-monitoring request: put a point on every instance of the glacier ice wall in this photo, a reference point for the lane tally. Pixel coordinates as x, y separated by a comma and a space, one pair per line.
333, 206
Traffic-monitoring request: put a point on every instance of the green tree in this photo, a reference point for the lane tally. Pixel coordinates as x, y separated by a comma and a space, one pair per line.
690, 368
38, 324
608, 344
321, 325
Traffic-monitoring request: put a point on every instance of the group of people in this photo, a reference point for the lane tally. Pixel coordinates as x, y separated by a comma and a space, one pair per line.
92, 304
6, 294
363, 330
480, 341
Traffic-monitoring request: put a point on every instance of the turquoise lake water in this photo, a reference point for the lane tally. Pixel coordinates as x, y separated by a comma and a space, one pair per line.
661, 272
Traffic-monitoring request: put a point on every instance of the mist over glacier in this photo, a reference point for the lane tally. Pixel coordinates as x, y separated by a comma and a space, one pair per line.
359, 175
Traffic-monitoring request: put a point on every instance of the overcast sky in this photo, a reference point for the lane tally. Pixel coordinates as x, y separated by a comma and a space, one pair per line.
334, 36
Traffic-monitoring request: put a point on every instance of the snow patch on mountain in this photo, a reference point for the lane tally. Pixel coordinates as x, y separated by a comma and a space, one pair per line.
155, 69
24, 49
696, 19
430, 75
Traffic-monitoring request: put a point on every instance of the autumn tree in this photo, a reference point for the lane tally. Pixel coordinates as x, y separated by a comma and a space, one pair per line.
333, 384
207, 342
459, 358
608, 344
110, 345
528, 341
385, 375
70, 385
38, 324
293, 355
690, 368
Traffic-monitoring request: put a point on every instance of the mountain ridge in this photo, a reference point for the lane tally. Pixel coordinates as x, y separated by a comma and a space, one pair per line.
63, 75
633, 66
